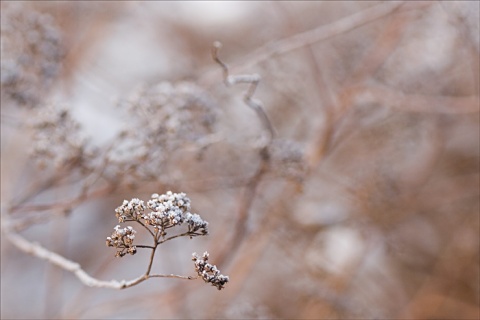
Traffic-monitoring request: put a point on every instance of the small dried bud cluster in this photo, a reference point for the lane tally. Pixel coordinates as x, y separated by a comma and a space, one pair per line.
172, 209
196, 223
208, 272
122, 239
130, 210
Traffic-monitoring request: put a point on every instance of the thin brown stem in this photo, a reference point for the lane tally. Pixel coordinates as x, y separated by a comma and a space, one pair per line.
145, 246
152, 255
175, 236
172, 276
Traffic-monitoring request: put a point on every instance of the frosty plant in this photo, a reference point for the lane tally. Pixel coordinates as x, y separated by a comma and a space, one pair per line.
160, 217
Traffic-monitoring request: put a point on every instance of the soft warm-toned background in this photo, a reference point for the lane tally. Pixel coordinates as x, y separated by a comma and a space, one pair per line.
367, 206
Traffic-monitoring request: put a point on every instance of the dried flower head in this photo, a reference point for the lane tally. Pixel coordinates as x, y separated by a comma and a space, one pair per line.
130, 210
31, 54
57, 139
208, 272
122, 239
166, 117
172, 209
196, 223
174, 112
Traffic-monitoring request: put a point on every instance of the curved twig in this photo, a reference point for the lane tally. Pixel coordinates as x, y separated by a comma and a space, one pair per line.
253, 80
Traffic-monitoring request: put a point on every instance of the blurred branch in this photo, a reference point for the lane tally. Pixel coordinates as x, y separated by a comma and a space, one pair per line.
372, 60
65, 205
309, 37
437, 276
414, 102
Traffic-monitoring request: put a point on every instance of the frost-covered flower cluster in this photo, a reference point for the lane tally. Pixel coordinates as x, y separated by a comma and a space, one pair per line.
122, 239
196, 223
130, 210
168, 209
172, 209
208, 272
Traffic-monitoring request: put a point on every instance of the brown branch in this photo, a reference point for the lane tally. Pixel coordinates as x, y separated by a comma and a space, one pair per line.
65, 204
152, 255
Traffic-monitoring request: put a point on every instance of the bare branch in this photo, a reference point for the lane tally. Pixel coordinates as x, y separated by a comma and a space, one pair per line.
41, 252
152, 255
323, 32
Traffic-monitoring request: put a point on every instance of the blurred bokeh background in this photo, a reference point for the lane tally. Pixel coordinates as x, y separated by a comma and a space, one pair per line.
364, 205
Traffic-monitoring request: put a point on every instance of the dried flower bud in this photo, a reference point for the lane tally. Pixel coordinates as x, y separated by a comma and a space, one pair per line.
208, 272
130, 210
122, 238
168, 210
196, 223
